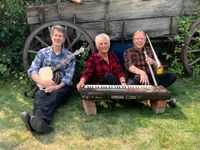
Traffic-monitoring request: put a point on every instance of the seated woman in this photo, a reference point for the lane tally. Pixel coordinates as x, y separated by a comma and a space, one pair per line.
103, 67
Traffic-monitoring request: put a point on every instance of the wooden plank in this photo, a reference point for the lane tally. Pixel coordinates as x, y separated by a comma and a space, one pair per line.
89, 12
189, 7
93, 28
32, 16
155, 27
130, 9
94, 10
138, 14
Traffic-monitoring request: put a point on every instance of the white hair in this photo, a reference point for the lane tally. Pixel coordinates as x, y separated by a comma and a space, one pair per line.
102, 36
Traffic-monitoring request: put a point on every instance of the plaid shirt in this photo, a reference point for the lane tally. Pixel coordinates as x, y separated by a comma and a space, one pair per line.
137, 58
97, 67
47, 57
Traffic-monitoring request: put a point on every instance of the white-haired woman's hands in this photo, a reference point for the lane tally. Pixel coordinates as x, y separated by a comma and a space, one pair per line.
80, 84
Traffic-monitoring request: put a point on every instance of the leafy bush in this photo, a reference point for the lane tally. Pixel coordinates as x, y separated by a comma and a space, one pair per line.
80, 65
14, 30
12, 37
184, 23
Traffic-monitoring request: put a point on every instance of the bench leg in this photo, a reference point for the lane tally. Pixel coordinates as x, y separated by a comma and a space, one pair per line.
157, 106
90, 107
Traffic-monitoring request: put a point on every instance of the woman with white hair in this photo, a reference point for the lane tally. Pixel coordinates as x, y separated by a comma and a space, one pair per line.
103, 67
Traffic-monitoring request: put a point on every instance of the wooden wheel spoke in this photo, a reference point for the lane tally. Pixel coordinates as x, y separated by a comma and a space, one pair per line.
74, 41
66, 35
41, 41
196, 39
49, 29
32, 51
194, 62
193, 51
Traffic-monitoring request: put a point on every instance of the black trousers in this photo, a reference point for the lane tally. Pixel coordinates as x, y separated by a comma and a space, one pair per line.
165, 79
45, 104
109, 79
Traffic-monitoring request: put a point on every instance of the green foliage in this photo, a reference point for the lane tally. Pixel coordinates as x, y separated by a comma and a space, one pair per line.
196, 71
14, 31
184, 23
80, 64
129, 127
12, 37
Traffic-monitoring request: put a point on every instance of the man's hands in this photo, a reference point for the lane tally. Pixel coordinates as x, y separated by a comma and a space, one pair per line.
49, 86
150, 60
47, 83
51, 89
144, 78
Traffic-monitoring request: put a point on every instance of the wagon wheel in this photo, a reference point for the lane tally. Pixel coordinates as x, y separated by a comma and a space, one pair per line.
39, 38
191, 49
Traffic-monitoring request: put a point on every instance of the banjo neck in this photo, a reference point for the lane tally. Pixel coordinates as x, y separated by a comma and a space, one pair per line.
64, 61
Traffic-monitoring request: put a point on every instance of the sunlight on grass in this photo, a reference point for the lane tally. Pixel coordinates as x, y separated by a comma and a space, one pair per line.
123, 127
2, 114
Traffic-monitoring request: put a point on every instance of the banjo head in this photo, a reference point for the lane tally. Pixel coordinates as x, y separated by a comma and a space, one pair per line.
46, 73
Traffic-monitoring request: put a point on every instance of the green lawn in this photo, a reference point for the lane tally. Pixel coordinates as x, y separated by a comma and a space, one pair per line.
126, 128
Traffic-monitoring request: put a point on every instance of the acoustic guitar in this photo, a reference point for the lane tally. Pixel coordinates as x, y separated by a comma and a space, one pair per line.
49, 73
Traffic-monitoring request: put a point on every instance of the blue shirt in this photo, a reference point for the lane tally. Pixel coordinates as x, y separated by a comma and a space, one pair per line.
47, 57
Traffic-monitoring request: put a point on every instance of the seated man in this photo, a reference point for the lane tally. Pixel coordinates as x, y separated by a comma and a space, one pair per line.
137, 64
53, 94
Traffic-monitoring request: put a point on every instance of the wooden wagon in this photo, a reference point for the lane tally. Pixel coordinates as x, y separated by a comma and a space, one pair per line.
119, 19
83, 20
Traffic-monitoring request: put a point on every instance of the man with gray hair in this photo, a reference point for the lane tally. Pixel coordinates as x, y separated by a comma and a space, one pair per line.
51, 94
138, 65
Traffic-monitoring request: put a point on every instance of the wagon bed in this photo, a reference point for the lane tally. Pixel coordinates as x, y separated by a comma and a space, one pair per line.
156, 17
119, 19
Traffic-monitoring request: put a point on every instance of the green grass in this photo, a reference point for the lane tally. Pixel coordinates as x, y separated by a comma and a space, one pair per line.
127, 127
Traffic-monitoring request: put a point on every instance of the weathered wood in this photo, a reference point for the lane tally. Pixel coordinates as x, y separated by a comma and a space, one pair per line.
155, 27
89, 12
158, 106
153, 8
157, 17
89, 107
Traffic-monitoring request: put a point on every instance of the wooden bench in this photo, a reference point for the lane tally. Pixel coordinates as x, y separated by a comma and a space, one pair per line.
156, 95
157, 106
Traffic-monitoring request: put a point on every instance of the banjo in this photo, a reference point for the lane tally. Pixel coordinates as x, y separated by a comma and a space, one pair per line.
49, 73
